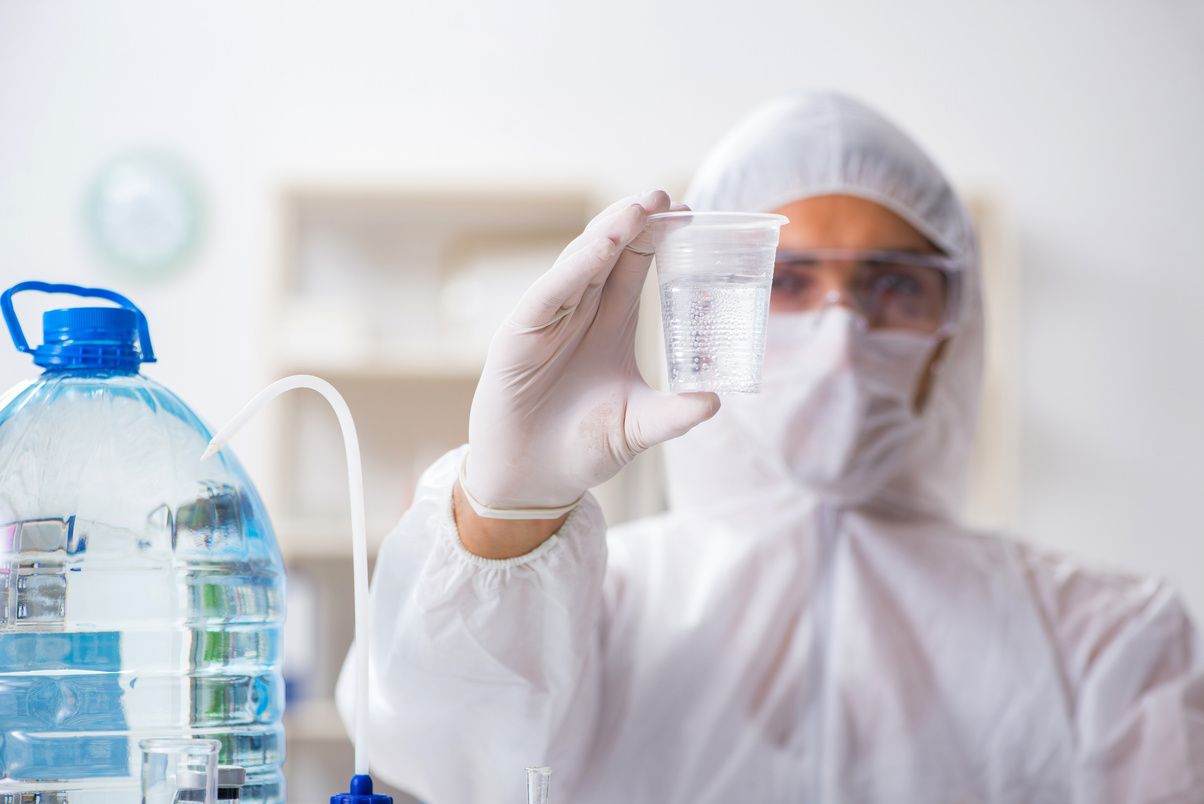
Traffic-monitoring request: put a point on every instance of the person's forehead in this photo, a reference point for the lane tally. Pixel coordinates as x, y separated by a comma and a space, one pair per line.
848, 222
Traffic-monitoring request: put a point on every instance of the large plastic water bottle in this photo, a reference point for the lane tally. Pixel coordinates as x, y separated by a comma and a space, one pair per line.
141, 591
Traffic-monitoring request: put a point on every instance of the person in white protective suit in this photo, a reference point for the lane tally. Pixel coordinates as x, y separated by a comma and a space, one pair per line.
809, 621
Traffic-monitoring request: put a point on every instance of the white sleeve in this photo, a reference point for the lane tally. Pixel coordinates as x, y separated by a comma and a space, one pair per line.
1134, 670
480, 668
1140, 708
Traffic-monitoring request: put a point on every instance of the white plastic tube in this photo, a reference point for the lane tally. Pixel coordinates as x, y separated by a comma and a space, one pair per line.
359, 534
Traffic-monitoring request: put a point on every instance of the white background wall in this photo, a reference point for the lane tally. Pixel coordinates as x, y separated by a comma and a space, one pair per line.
1087, 119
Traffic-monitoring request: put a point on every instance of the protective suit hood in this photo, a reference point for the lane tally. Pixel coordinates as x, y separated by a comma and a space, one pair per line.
828, 144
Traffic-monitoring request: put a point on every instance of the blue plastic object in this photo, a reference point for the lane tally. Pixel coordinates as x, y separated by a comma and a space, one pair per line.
84, 337
361, 793
141, 591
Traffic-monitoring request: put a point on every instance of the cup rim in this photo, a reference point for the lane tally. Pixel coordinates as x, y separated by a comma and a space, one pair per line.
723, 218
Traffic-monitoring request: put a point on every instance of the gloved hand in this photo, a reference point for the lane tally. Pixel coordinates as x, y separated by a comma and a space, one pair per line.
561, 406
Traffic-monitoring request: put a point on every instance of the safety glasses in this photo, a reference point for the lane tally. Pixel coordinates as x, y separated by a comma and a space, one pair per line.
889, 289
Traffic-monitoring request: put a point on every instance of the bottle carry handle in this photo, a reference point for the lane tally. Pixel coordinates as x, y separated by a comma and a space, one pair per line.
14, 326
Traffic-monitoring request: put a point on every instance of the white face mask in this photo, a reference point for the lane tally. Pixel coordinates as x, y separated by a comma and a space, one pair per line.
835, 408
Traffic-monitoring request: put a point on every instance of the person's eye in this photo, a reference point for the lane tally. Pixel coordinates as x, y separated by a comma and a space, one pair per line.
791, 282
898, 283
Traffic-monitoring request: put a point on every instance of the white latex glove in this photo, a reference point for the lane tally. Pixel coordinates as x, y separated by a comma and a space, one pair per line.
561, 406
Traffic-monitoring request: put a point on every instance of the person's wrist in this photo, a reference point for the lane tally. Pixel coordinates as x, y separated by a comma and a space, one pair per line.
499, 539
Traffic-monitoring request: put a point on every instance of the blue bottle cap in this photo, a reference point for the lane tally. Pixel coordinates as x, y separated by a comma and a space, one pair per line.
113, 338
89, 337
361, 793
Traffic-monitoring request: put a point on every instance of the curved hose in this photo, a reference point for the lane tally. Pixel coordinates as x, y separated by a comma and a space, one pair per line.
359, 534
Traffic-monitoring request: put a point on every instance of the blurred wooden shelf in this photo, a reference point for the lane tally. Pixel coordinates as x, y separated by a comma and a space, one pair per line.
396, 364
392, 294
315, 720
325, 537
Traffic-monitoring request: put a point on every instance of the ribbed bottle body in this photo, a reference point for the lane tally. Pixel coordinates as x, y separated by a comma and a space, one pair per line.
141, 592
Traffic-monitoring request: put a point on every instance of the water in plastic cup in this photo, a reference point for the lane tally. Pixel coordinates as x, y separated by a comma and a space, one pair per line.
714, 271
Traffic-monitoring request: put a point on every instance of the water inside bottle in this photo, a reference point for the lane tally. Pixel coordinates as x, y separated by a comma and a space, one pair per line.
141, 593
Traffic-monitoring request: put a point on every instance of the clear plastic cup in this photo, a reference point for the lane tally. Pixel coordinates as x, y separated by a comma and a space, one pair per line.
538, 781
715, 271
177, 770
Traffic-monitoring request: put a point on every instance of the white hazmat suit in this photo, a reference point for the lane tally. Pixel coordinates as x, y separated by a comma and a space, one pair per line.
777, 637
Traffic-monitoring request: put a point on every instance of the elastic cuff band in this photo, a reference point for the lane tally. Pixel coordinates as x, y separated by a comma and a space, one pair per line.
510, 513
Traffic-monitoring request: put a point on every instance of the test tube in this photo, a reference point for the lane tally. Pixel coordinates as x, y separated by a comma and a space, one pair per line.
537, 785
177, 770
